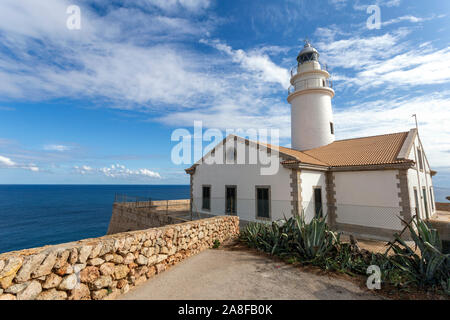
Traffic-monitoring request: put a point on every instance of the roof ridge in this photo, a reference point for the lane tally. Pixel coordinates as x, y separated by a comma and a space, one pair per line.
378, 135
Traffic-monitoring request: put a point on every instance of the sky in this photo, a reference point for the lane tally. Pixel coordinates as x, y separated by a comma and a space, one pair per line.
97, 102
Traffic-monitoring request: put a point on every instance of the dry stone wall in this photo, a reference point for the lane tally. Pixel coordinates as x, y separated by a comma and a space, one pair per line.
131, 216
103, 268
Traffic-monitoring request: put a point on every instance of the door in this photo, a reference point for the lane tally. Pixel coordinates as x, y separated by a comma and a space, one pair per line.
318, 203
230, 200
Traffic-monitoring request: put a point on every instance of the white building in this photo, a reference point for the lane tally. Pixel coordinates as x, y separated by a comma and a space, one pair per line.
363, 185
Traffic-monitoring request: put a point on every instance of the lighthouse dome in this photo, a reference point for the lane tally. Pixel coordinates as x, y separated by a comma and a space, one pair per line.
308, 53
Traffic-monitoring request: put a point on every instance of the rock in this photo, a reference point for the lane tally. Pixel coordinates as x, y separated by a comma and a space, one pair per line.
99, 294
52, 294
169, 233
151, 271
9, 271
161, 257
117, 258
30, 264
52, 281
73, 258
89, 274
129, 258
164, 250
152, 260
31, 292
85, 251
2, 264
46, 267
96, 250
61, 259
122, 283
15, 289
147, 243
65, 269
107, 247
160, 267
95, 262
107, 269
142, 260
7, 297
69, 282
121, 271
101, 282
81, 292
108, 257
78, 267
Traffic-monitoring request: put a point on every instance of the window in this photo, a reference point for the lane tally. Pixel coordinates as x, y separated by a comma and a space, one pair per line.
206, 199
230, 200
318, 208
431, 199
425, 202
332, 127
263, 202
416, 199
420, 160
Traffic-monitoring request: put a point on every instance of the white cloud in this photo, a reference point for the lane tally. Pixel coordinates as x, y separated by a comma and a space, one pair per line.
255, 62
57, 147
394, 115
6, 162
118, 171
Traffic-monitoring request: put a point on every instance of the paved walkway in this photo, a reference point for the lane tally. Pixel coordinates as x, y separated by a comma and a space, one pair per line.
226, 274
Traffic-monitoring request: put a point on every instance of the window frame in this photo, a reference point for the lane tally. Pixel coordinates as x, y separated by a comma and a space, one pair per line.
235, 205
321, 198
203, 197
257, 217
332, 127
420, 159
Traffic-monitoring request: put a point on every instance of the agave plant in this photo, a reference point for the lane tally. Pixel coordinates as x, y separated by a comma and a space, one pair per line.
314, 240
429, 268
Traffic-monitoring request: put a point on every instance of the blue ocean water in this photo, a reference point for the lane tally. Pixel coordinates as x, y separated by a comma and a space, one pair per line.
37, 215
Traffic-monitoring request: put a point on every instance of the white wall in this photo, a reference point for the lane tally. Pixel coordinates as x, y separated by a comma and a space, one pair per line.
419, 180
246, 177
368, 198
311, 179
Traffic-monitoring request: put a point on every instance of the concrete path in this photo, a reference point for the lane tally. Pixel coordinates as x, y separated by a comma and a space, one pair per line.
226, 274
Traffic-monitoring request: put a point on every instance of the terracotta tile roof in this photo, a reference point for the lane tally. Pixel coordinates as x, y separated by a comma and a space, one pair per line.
375, 150
298, 155
383, 149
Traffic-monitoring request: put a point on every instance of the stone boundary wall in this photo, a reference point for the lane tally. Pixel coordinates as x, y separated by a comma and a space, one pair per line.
443, 206
131, 216
103, 268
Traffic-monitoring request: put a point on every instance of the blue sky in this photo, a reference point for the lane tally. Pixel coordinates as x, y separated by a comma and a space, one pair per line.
99, 104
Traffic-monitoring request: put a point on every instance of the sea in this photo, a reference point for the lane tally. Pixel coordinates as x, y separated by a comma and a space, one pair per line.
38, 215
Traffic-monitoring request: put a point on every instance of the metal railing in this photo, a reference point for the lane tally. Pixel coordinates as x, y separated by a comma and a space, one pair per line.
309, 84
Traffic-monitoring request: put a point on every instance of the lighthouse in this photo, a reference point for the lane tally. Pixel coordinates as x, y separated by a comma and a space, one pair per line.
310, 97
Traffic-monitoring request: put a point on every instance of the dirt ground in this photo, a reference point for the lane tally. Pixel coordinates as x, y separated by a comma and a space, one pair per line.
244, 274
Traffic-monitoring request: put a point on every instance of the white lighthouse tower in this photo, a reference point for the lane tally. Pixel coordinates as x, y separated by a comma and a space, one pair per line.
310, 98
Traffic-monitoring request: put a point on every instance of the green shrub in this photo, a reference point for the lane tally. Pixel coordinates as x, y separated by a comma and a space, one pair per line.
216, 244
